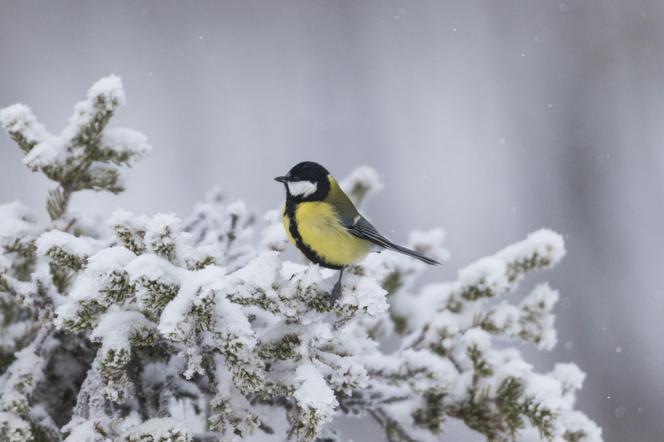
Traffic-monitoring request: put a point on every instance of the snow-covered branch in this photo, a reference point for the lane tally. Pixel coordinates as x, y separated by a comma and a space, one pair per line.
154, 328
86, 155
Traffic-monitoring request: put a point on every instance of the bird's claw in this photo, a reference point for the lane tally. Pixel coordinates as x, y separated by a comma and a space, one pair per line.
335, 293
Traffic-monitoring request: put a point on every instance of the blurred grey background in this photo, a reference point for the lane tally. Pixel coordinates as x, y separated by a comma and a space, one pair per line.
491, 118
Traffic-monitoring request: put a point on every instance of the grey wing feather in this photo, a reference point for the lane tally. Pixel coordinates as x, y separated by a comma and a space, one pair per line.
363, 229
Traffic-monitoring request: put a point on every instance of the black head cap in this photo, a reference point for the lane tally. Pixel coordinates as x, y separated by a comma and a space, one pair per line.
309, 171
305, 171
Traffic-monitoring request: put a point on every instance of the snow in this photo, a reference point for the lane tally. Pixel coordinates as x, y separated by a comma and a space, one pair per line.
124, 217
314, 335
485, 274
16, 386
430, 243
173, 320
273, 237
14, 428
335, 350
261, 272
26, 365
544, 242
439, 374
331, 356
51, 151
71, 145
116, 327
109, 259
85, 287
18, 118
237, 208
248, 323
231, 319
420, 308
162, 428
105, 95
176, 311
542, 297
508, 363
571, 378
290, 269
365, 294
160, 225
313, 392
153, 268
72, 148
537, 309
545, 390
188, 413
222, 231
85, 432
348, 374
5, 264
505, 317
365, 177
476, 337
499, 274
110, 88
574, 421
108, 172
57, 239
12, 334
16, 221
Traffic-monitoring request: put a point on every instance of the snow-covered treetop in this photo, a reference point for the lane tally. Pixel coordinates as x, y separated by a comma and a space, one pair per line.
199, 329
86, 155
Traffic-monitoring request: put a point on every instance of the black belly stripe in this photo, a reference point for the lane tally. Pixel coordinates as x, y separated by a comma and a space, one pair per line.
311, 254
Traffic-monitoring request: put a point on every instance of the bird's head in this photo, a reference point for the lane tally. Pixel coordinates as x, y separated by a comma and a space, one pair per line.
306, 181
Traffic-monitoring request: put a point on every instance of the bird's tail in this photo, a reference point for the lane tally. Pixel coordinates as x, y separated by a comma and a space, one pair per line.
390, 245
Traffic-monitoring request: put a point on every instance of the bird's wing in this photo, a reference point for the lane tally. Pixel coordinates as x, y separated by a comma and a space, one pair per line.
358, 225
363, 229
344, 207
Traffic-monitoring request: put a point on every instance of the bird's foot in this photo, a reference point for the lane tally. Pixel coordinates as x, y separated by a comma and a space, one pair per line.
335, 293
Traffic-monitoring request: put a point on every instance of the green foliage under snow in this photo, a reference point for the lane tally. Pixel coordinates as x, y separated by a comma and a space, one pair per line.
152, 328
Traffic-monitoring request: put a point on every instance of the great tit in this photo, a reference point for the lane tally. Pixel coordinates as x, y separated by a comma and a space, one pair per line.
323, 223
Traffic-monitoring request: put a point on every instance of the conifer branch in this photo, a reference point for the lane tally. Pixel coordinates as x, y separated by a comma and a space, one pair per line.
157, 318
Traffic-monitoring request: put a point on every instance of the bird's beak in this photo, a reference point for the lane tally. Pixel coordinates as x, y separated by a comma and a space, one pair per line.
281, 179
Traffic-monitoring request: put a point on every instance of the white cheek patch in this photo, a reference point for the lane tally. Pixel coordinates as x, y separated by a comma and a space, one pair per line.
302, 188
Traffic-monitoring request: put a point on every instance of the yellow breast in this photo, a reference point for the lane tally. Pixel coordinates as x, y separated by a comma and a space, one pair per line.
320, 230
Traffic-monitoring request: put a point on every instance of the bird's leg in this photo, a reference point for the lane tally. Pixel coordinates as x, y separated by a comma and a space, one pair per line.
336, 291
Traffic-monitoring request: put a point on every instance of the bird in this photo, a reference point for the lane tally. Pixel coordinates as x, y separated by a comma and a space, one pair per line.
324, 224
